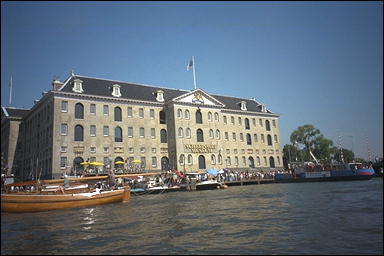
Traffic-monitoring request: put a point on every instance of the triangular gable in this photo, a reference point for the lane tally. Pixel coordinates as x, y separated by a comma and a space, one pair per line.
198, 96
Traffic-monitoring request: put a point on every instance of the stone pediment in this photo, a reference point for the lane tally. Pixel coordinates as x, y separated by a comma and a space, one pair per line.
198, 97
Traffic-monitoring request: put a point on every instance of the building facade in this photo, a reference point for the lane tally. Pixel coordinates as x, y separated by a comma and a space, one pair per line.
99, 120
10, 142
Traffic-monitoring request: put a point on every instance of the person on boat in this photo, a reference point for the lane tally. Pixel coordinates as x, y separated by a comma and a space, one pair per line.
111, 179
65, 185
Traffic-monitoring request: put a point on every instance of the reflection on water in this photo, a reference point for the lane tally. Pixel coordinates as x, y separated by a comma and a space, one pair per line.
310, 218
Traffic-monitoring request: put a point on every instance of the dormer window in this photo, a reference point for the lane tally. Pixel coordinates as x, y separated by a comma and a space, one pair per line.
243, 105
77, 86
160, 95
263, 108
116, 90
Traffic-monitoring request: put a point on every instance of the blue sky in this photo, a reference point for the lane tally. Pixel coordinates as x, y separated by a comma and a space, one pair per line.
317, 63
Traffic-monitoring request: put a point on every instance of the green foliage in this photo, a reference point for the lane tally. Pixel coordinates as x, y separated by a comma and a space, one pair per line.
310, 139
322, 148
305, 135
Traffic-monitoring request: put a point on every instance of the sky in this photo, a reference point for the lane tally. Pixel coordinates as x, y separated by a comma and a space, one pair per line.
318, 63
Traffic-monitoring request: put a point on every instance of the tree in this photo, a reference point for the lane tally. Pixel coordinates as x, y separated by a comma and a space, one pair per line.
306, 135
322, 148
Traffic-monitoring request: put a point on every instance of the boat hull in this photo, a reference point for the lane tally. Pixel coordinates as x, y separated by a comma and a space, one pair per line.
335, 178
37, 203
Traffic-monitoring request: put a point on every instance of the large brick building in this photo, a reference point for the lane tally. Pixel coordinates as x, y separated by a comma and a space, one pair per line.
86, 118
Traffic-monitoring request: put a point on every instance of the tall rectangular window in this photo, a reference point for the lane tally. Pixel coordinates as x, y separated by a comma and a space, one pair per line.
105, 110
141, 132
63, 129
130, 131
106, 130
154, 161
129, 111
92, 130
152, 113
141, 112
142, 161
64, 106
153, 133
63, 162
92, 109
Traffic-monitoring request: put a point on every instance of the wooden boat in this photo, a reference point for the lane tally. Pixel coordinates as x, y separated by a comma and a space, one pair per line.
33, 202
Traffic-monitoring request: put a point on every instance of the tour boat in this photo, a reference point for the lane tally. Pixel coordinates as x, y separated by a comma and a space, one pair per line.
309, 172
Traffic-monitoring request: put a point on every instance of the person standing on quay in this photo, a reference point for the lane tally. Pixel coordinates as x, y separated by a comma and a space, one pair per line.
111, 179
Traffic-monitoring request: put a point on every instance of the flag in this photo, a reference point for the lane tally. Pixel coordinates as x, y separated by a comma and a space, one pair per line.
190, 64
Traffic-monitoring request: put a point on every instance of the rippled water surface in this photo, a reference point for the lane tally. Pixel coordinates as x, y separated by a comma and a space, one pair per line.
307, 218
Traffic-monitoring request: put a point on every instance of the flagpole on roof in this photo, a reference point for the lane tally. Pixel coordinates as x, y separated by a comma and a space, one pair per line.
10, 91
194, 76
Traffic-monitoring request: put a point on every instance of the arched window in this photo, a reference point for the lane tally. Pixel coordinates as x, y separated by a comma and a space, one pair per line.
246, 120
218, 134
117, 163
163, 136
267, 125
118, 134
269, 139
199, 135
251, 162
228, 160
190, 159
79, 111
118, 114
275, 136
211, 133
213, 159
78, 168
79, 133
162, 117
272, 162
182, 159
219, 159
181, 133
179, 114
187, 114
199, 117
209, 116
216, 116
201, 162
249, 141
188, 133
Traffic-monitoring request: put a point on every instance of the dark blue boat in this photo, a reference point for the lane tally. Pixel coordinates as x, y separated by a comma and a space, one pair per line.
316, 173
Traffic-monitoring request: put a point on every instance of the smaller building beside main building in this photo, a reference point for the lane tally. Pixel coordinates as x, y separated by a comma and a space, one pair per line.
99, 120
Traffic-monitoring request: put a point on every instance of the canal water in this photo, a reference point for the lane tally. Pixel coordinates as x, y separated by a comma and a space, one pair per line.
306, 218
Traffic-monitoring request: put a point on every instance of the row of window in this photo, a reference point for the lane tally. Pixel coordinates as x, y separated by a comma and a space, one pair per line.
79, 114
131, 150
228, 160
64, 161
79, 134
79, 111
188, 160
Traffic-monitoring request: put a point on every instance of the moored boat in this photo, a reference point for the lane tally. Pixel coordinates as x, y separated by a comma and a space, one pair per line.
33, 202
308, 172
